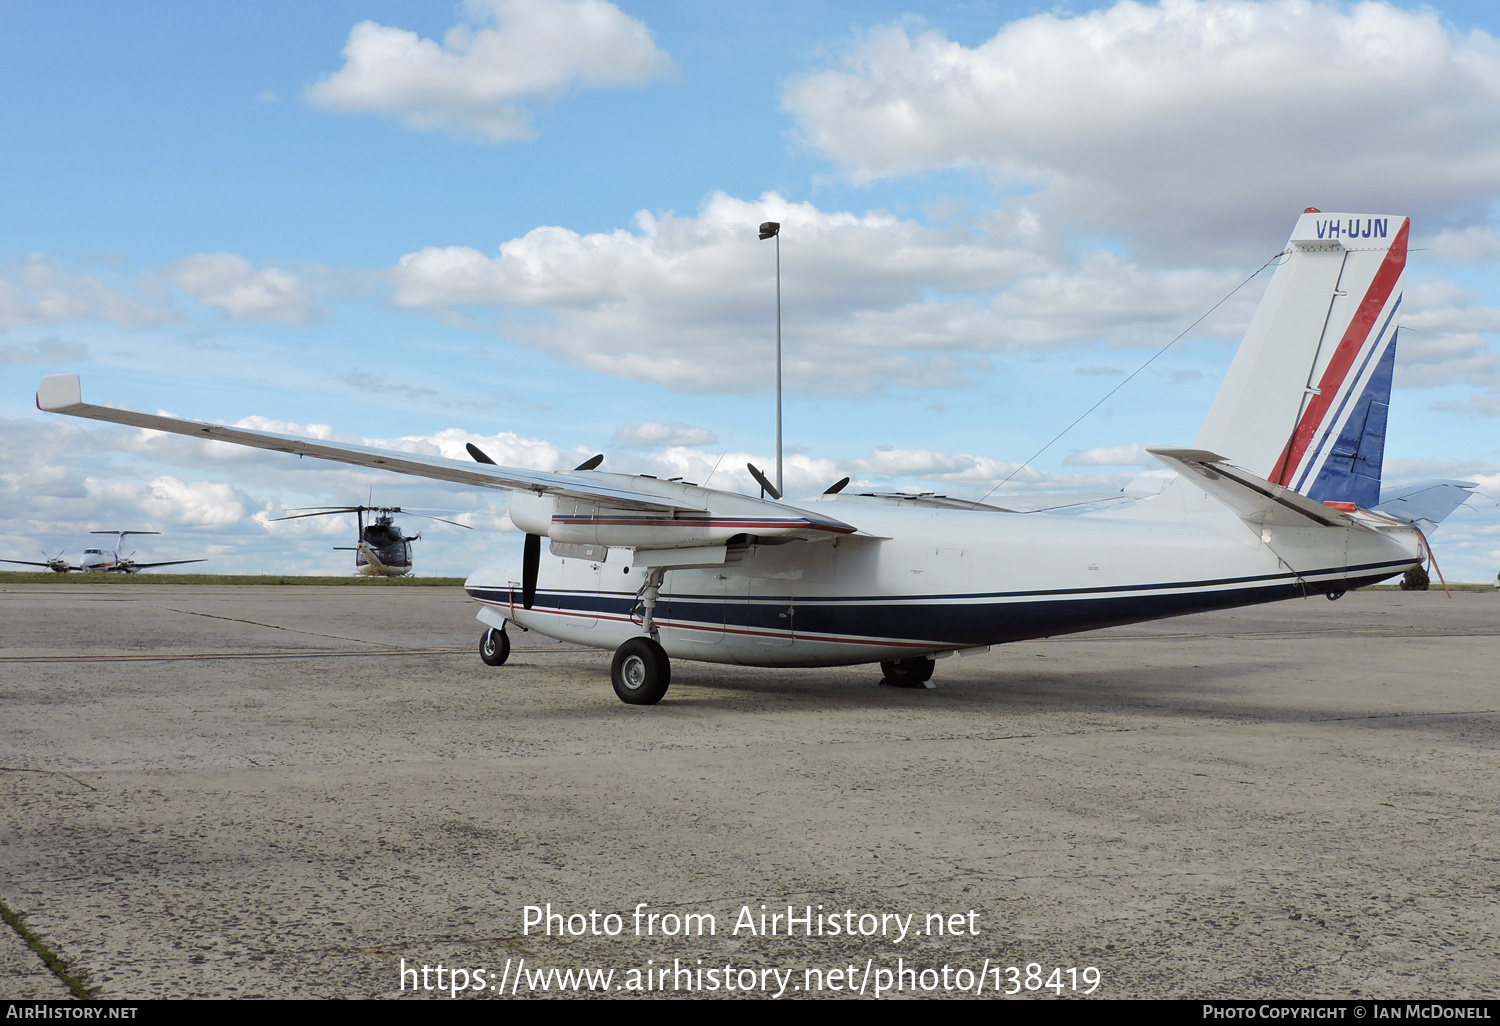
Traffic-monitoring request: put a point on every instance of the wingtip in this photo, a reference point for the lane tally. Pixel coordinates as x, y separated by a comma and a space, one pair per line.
58, 392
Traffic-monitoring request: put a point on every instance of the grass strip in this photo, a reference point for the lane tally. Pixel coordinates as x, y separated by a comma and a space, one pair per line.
55, 965
1451, 587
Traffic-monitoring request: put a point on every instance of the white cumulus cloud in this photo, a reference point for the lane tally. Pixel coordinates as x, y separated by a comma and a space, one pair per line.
1470, 245
476, 81
204, 503
870, 300
653, 433
1178, 124
1448, 338
1131, 455
50, 350
231, 283
36, 290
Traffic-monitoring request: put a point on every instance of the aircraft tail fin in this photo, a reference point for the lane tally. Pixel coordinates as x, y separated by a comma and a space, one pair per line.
1304, 403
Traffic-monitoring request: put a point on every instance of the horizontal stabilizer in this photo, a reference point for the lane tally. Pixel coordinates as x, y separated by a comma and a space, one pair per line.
1427, 504
1254, 499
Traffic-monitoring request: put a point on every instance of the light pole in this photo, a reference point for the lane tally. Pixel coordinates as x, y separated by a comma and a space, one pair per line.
772, 230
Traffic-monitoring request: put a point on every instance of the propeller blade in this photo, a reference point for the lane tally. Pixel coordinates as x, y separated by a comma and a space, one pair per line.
590, 463
531, 563
478, 454
836, 487
760, 479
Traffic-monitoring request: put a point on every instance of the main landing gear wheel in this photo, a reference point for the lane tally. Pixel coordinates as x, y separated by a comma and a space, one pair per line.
908, 673
640, 672
494, 647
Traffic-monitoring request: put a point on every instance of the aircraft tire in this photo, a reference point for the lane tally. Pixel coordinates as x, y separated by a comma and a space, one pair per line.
640, 672
908, 673
494, 647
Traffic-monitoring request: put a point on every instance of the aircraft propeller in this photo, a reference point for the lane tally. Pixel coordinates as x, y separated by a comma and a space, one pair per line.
480, 456
764, 483
531, 563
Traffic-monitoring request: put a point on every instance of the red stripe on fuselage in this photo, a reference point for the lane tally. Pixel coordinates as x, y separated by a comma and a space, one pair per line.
1344, 356
805, 525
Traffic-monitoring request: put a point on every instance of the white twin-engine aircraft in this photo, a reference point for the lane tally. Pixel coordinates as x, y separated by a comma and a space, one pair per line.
101, 560
1277, 499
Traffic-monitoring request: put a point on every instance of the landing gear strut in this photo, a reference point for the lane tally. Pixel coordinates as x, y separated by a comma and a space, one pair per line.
494, 647
646, 599
908, 673
640, 671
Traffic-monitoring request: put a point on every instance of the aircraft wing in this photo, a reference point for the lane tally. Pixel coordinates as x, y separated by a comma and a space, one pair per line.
27, 562
591, 507
1253, 498
62, 393
170, 562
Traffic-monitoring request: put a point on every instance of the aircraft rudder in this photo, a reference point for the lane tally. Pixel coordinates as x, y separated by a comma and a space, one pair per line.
1350, 469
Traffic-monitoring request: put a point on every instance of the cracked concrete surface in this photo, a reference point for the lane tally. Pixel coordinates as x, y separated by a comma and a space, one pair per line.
1297, 800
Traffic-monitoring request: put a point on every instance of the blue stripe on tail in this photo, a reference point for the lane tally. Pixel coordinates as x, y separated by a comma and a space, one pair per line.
1352, 471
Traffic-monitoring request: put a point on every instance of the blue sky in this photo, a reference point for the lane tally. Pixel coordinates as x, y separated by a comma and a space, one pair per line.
538, 234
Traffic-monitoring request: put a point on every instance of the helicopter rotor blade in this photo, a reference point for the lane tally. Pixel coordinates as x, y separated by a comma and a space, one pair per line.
440, 520
321, 513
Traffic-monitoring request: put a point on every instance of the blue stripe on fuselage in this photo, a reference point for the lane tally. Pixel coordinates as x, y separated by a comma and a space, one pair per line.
956, 621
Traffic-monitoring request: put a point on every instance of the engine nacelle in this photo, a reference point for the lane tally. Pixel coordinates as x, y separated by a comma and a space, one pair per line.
578, 522
531, 512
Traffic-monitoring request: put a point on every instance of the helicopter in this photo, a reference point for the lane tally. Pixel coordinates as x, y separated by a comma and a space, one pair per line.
102, 560
380, 549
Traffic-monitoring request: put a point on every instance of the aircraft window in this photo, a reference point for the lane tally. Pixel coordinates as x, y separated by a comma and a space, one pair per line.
92, 552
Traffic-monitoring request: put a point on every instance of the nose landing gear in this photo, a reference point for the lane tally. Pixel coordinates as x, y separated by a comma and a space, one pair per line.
494, 647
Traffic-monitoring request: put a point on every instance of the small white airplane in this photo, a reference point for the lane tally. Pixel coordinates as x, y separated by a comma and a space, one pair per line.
1278, 498
100, 560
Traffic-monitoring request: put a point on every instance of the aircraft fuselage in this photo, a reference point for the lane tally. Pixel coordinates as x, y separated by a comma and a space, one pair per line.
925, 581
